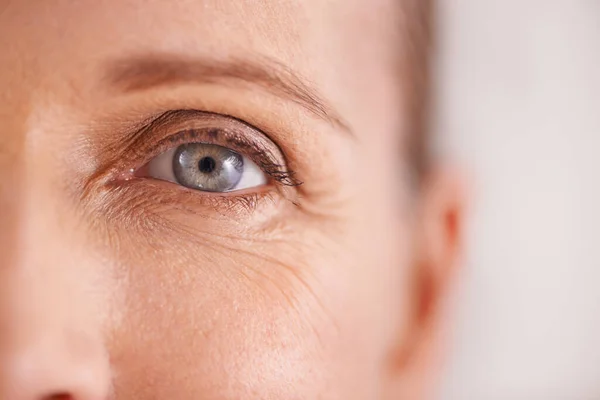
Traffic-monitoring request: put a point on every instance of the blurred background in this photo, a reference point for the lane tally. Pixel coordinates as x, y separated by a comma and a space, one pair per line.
519, 104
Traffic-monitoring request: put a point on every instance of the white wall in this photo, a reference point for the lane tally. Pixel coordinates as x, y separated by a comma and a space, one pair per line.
519, 90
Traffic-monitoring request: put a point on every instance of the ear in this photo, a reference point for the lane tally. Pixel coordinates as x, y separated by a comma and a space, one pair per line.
438, 233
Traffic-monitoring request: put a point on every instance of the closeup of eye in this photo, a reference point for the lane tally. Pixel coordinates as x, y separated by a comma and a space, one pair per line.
206, 167
208, 153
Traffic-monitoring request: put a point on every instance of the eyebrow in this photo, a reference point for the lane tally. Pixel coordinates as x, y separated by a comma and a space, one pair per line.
150, 71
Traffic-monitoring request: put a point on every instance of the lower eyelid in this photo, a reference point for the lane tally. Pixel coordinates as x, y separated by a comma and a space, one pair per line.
159, 200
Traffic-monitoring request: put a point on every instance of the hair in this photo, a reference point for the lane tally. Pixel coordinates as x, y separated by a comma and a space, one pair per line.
418, 16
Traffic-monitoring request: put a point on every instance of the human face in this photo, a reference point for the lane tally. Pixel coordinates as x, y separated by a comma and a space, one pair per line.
274, 260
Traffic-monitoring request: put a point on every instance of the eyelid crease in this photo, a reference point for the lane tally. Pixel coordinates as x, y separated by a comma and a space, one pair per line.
170, 123
188, 119
148, 71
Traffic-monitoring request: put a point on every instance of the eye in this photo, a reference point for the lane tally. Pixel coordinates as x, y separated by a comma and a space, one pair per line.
206, 167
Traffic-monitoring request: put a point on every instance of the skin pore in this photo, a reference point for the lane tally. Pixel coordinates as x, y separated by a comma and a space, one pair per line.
325, 281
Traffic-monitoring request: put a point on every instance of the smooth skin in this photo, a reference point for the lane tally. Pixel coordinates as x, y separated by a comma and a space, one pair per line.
117, 285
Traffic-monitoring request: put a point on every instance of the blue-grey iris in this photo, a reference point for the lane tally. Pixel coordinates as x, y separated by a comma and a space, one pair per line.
207, 167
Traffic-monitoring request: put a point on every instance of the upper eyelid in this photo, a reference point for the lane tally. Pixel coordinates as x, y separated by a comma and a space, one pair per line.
252, 143
142, 72
172, 123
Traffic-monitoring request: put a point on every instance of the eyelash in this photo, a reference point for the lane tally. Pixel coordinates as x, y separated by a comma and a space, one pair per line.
277, 172
149, 141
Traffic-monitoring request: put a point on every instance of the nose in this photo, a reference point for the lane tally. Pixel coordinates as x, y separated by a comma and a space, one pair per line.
51, 313
54, 366
50, 349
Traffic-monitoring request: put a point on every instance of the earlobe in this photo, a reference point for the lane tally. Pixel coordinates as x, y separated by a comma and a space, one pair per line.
438, 245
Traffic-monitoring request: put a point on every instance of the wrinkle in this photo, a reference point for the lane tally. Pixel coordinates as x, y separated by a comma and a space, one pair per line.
293, 300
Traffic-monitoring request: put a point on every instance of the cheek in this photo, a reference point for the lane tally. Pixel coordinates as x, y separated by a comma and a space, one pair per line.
230, 319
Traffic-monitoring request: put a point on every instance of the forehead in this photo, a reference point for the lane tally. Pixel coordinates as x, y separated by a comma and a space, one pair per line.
253, 23
345, 48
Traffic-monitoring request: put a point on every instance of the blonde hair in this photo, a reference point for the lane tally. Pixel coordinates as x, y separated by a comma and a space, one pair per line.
419, 31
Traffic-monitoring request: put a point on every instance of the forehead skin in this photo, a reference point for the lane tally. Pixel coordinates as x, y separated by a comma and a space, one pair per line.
283, 302
350, 44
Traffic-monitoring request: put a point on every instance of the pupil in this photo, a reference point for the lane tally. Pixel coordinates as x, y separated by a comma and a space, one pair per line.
207, 165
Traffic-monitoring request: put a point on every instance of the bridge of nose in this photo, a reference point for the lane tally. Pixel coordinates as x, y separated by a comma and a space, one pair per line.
54, 293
